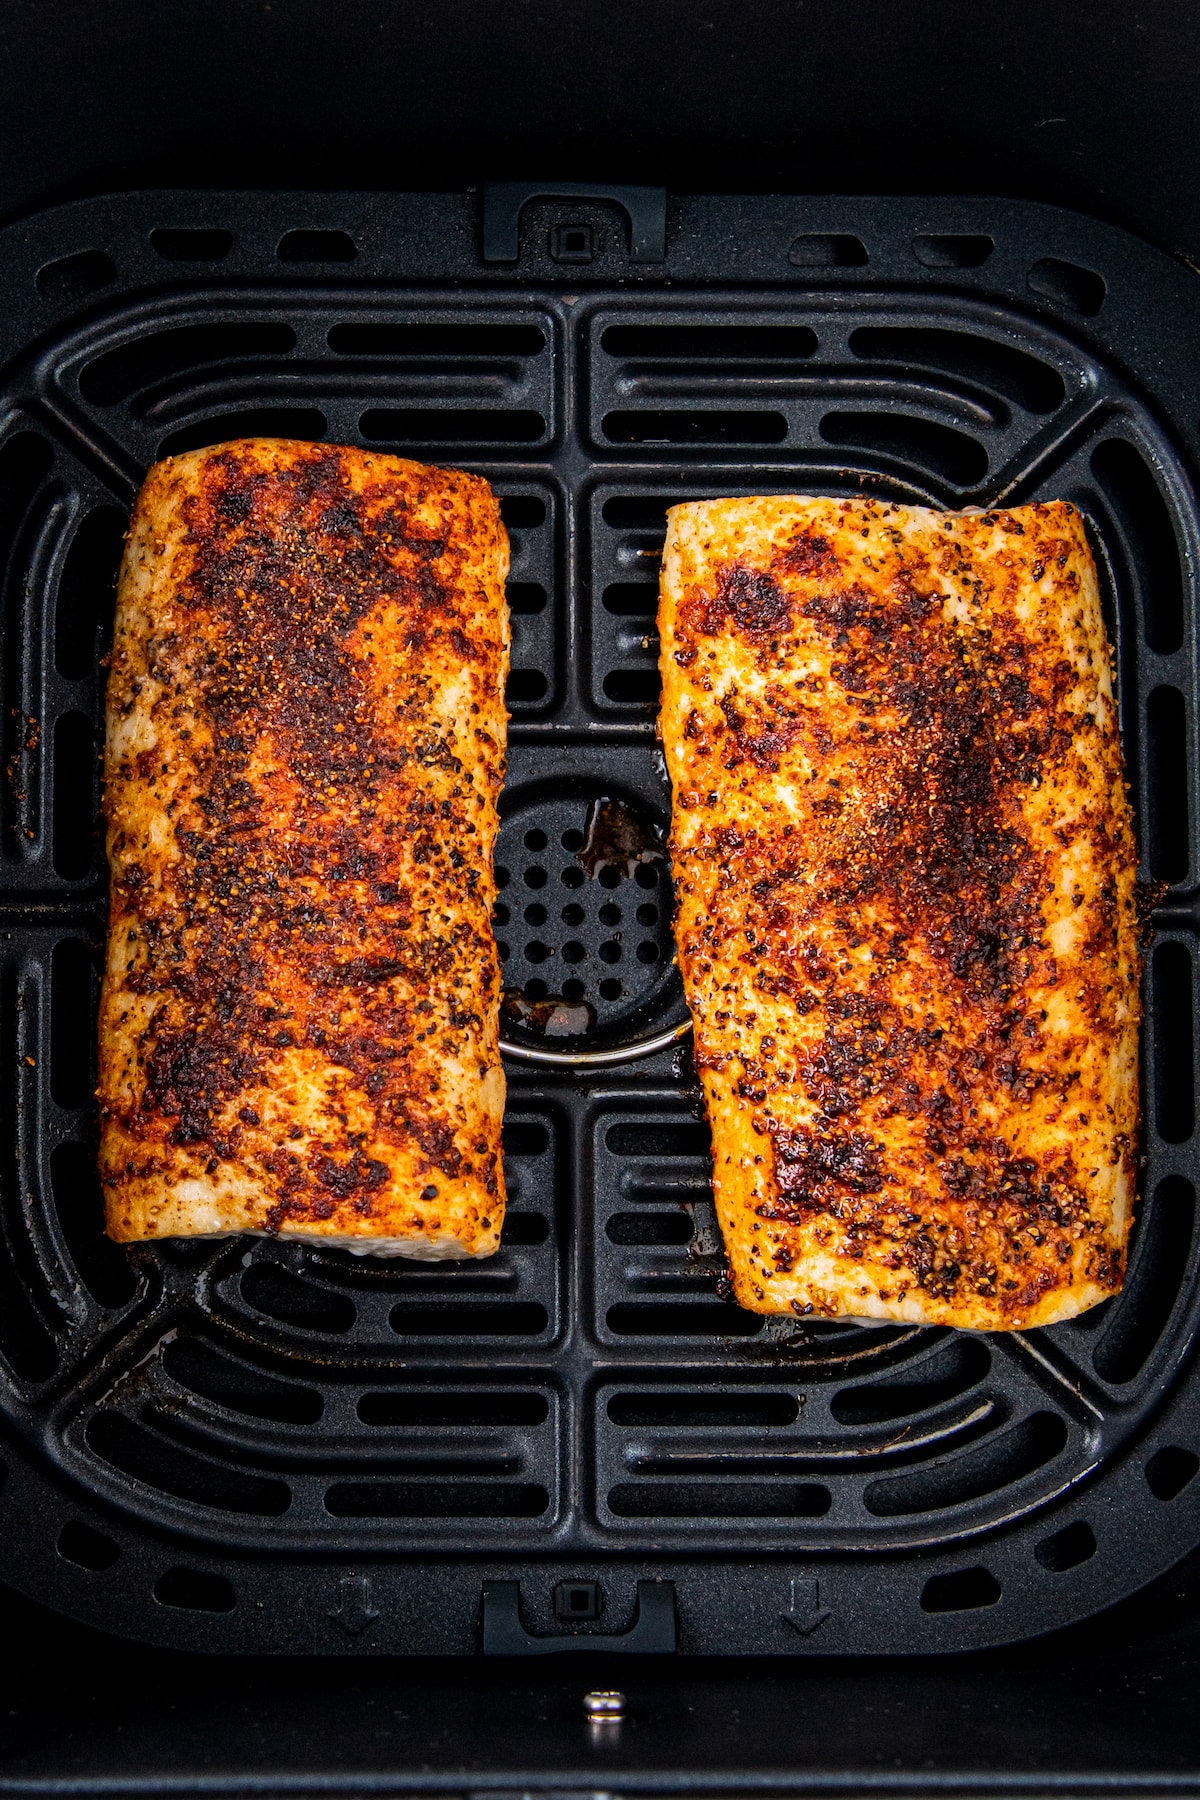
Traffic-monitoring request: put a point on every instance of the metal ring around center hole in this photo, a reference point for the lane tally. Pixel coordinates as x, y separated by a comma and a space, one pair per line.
596, 1059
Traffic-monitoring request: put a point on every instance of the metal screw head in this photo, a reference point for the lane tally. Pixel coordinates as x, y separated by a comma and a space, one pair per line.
604, 1707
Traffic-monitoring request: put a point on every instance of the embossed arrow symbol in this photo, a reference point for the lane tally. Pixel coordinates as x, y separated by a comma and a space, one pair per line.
355, 1612
806, 1612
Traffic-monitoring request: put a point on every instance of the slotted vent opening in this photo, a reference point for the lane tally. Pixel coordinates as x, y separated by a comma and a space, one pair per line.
734, 343
25, 1343
316, 247
195, 1590
72, 278
527, 599
692, 1411
1015, 374
953, 250
523, 1230
828, 250
86, 1547
168, 356
74, 994
452, 425
659, 1137
635, 512
87, 592
74, 783
136, 1451
985, 1469
307, 424
524, 1137
650, 1228
192, 243
196, 1366
1170, 1470
1067, 1549
936, 450
269, 1289
682, 1319
961, 1365
437, 1500
25, 461
453, 1410
101, 1265
1172, 1036
720, 1500
1168, 837
695, 426
1068, 285
1161, 1262
483, 1319
25, 1340
1131, 489
965, 1590
455, 341
631, 599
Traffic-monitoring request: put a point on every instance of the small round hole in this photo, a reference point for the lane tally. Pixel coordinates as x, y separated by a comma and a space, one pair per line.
535, 989
610, 914
573, 877
502, 876
502, 951
610, 990
646, 875
573, 952
647, 952
573, 990
535, 914
610, 952
572, 840
501, 914
536, 840
609, 877
573, 915
536, 952
535, 877
647, 915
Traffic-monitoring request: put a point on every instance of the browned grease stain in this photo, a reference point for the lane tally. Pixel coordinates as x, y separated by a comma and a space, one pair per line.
615, 837
553, 1016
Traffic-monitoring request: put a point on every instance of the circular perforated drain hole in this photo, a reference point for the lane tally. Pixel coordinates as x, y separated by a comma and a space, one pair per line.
583, 924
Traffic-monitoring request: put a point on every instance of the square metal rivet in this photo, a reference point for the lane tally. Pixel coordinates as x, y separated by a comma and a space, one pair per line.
576, 1600
572, 243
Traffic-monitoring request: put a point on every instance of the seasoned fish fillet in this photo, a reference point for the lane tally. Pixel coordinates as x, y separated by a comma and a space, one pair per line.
906, 922
305, 742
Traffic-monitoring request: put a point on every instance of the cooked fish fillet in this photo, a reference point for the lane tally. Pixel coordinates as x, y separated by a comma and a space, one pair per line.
305, 743
906, 922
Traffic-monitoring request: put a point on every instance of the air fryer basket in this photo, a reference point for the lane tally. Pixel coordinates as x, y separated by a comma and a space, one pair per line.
581, 1444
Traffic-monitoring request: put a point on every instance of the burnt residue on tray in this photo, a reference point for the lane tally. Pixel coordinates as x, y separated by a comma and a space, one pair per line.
617, 837
552, 1015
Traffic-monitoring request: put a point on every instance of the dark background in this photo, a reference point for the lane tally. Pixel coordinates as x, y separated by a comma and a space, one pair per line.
1084, 103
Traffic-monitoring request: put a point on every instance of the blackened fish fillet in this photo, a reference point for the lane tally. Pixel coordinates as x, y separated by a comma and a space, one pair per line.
305, 743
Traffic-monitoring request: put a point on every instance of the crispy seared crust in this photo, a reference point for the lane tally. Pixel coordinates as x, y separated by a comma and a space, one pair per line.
906, 920
305, 743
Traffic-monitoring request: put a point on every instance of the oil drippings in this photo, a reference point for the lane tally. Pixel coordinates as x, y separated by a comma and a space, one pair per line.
552, 1015
615, 836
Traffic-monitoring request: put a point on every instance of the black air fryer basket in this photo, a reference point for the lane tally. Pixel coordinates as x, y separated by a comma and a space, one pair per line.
581, 1445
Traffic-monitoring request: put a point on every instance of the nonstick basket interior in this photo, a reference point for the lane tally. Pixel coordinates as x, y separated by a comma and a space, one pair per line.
251, 1445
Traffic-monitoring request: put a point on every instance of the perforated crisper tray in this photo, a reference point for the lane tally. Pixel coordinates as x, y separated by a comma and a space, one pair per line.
253, 1446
